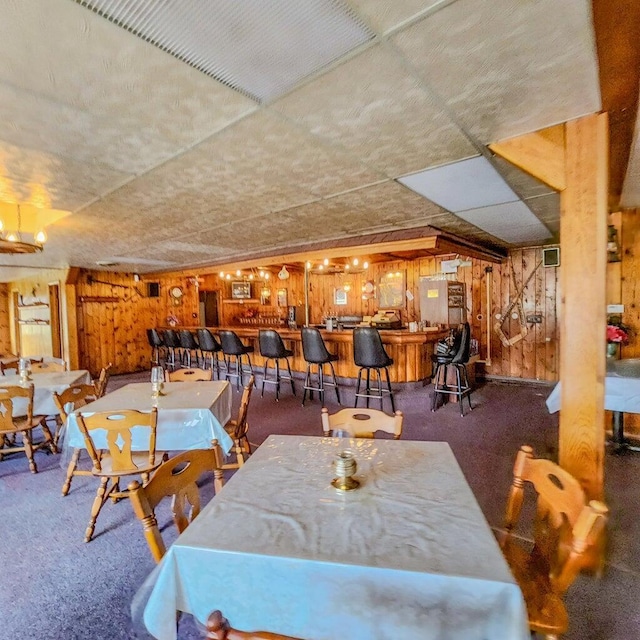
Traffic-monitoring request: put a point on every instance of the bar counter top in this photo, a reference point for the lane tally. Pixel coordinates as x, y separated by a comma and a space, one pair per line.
411, 351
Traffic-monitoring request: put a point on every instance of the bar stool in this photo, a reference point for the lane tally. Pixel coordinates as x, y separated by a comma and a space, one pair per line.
189, 346
368, 354
232, 347
156, 343
315, 352
458, 361
209, 345
272, 348
171, 342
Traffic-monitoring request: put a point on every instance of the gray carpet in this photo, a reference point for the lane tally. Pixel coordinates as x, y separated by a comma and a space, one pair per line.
53, 585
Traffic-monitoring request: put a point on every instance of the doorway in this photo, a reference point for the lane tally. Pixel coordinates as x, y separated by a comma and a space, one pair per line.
209, 316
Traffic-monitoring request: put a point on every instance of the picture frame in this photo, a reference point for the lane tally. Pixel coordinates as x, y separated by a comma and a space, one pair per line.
282, 297
240, 290
339, 296
391, 290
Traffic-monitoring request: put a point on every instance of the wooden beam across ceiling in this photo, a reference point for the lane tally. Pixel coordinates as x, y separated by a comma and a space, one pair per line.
617, 23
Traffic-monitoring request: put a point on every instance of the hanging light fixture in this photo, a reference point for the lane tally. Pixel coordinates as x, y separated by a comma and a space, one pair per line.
12, 242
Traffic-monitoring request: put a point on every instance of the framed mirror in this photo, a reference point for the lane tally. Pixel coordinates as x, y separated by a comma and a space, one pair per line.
282, 297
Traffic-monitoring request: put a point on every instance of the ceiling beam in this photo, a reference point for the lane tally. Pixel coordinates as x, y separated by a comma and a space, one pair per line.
541, 154
616, 25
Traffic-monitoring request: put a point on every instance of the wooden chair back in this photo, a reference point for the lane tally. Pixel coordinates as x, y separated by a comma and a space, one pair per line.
218, 628
176, 478
11, 365
77, 395
102, 381
362, 423
7, 397
567, 534
191, 375
47, 367
242, 426
118, 425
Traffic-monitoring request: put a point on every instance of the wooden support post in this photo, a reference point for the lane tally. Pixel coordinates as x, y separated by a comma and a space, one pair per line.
583, 240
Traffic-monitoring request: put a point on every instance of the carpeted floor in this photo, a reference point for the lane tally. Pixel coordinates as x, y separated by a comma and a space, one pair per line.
53, 585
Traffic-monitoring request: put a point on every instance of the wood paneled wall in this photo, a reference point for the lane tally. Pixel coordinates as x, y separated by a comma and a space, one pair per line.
5, 330
114, 312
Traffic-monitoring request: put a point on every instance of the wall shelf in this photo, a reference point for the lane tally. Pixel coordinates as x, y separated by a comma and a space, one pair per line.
242, 301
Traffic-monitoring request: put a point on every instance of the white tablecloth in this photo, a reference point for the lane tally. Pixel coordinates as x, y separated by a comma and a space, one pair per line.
190, 415
621, 387
44, 385
407, 556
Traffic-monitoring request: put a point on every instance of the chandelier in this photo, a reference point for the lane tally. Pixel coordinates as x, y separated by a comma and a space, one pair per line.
12, 241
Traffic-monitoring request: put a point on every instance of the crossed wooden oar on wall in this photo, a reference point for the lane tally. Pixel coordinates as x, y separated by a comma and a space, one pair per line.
516, 302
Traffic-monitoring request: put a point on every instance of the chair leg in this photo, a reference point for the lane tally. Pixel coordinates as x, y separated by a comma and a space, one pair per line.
321, 383
277, 379
218, 480
28, 450
307, 379
70, 471
99, 500
335, 383
459, 389
393, 404
468, 386
293, 386
358, 386
264, 378
48, 438
368, 385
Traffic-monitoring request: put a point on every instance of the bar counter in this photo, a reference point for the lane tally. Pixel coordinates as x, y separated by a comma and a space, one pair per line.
411, 351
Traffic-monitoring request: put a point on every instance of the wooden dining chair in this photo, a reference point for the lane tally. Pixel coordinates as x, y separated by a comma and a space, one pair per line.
119, 460
10, 365
101, 382
11, 425
238, 429
47, 367
176, 478
218, 628
565, 530
191, 375
74, 397
362, 423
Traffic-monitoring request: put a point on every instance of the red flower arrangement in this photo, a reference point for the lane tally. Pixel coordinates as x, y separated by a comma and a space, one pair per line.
617, 333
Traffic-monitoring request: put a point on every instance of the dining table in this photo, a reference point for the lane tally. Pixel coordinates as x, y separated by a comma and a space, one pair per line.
190, 416
621, 395
44, 385
406, 555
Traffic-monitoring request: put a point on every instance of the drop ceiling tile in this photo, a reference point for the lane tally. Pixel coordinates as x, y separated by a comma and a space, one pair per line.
49, 181
508, 67
384, 15
98, 93
451, 223
467, 184
371, 106
547, 210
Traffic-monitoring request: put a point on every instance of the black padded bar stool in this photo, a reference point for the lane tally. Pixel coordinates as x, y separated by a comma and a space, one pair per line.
232, 347
272, 348
189, 347
369, 354
171, 342
211, 347
155, 342
315, 352
458, 361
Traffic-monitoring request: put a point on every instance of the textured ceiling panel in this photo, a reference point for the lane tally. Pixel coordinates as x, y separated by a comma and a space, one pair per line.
99, 94
375, 109
50, 181
384, 15
241, 43
453, 224
508, 67
525, 185
547, 210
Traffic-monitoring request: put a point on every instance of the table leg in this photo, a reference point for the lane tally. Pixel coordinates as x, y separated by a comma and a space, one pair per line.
620, 443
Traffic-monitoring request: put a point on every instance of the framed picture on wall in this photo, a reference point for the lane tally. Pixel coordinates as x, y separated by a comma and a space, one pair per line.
339, 296
391, 290
282, 297
240, 290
